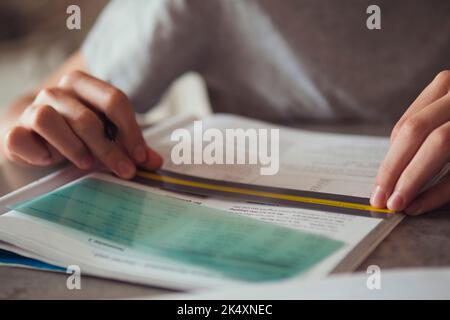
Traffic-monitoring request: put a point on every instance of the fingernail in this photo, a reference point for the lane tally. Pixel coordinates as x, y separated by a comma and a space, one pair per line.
378, 198
86, 162
126, 169
395, 201
139, 154
414, 209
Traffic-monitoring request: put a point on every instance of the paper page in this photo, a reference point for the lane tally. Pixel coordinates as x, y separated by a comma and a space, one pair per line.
99, 257
321, 162
343, 228
182, 231
350, 229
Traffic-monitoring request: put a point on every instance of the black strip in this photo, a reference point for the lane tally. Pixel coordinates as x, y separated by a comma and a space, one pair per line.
259, 199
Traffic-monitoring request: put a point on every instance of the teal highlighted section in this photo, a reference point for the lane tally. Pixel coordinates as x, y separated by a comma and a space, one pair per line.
235, 246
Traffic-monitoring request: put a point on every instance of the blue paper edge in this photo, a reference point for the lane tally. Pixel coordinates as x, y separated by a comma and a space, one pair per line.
8, 258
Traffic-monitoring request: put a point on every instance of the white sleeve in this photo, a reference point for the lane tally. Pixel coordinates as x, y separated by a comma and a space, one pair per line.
141, 46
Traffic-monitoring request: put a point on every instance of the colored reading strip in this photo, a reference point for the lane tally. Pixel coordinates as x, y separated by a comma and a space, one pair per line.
195, 183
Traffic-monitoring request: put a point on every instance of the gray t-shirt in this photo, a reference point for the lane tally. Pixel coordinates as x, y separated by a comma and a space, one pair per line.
284, 61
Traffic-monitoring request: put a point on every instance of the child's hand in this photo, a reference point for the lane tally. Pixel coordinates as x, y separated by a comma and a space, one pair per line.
62, 122
420, 148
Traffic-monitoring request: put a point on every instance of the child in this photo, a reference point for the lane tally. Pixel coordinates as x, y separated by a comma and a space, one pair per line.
284, 61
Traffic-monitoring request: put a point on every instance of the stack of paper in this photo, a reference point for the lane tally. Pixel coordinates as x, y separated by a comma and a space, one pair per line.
139, 232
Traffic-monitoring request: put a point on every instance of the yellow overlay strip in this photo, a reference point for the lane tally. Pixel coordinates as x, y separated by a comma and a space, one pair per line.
264, 194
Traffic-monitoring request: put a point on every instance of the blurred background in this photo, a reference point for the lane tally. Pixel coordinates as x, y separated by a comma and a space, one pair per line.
34, 41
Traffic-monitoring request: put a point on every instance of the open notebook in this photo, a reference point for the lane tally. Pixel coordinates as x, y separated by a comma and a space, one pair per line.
189, 227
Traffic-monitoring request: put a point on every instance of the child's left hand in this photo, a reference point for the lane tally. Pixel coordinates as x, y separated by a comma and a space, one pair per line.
420, 148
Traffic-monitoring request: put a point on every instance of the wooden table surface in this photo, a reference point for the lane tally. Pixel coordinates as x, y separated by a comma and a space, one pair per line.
422, 241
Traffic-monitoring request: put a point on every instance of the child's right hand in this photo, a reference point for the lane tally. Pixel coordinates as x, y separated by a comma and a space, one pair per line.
62, 123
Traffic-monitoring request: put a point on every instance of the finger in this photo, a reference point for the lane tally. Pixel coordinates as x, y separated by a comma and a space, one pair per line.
411, 136
116, 106
51, 126
433, 198
439, 87
23, 145
432, 156
57, 157
89, 128
154, 160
